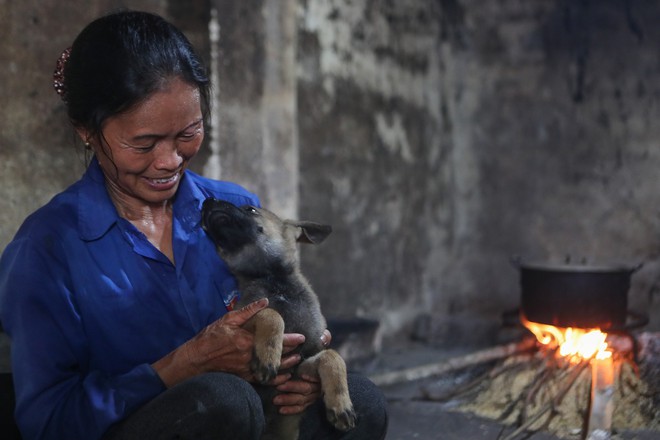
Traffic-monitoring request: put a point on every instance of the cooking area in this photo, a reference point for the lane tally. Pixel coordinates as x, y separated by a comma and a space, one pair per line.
579, 367
489, 170
587, 354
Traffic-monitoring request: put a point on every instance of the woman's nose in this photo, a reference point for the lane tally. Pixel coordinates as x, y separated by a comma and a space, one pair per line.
168, 156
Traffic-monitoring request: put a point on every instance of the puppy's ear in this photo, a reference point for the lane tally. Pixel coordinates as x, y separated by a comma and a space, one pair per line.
310, 232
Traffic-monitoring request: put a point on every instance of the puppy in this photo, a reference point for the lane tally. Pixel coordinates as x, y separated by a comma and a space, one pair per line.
261, 251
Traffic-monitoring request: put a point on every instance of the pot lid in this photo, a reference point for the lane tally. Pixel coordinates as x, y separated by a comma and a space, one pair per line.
582, 266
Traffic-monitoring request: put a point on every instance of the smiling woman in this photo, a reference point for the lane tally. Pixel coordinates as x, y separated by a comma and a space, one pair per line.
143, 154
119, 309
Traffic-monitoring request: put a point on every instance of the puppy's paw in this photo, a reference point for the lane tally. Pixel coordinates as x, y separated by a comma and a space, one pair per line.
263, 373
264, 368
339, 409
342, 419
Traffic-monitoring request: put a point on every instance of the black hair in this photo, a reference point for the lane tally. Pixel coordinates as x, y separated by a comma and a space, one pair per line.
120, 59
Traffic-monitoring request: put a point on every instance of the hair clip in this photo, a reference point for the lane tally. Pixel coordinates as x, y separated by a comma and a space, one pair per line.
58, 75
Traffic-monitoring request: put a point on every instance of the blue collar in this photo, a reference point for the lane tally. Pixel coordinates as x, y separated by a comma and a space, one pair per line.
97, 214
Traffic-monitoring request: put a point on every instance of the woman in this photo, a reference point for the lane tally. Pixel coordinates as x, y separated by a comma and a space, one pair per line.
118, 307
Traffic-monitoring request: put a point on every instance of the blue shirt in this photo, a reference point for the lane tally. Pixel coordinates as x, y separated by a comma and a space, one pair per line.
89, 304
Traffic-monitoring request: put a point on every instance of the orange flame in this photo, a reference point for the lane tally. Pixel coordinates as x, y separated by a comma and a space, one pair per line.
574, 344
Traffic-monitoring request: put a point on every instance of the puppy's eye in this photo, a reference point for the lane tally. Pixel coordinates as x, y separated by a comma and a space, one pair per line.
260, 229
250, 209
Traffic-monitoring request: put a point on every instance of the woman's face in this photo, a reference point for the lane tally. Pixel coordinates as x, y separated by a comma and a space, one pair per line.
145, 150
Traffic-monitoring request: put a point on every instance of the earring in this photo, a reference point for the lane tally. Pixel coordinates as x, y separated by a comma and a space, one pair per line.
88, 146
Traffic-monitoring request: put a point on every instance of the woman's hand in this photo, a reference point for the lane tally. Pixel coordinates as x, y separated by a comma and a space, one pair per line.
221, 346
225, 346
295, 395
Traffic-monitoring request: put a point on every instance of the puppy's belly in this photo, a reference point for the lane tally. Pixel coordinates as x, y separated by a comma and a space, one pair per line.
300, 318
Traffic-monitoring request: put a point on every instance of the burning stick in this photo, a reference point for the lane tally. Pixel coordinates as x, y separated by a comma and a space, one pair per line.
602, 390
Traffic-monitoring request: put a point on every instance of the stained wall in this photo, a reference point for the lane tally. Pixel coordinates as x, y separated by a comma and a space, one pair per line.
444, 138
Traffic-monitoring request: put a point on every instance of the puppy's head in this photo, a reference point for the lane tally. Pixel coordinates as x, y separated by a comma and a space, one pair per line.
253, 240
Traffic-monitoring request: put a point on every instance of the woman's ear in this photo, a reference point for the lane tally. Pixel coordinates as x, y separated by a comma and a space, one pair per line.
84, 136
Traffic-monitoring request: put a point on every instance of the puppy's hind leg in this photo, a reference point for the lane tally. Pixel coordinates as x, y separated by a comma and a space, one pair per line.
288, 427
281, 426
330, 368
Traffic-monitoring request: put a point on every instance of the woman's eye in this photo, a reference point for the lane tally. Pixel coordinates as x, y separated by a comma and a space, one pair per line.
191, 133
145, 148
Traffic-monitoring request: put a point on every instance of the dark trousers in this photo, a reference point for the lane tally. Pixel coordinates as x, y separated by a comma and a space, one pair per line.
217, 406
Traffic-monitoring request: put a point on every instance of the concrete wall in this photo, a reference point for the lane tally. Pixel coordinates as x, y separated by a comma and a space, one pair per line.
438, 137
375, 154
442, 138
256, 140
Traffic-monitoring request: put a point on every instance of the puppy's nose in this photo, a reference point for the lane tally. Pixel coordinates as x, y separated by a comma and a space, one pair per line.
209, 202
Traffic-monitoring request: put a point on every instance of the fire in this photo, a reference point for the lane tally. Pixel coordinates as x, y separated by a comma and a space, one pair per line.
574, 344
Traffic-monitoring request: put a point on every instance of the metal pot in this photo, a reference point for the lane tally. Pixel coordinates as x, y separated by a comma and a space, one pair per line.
575, 295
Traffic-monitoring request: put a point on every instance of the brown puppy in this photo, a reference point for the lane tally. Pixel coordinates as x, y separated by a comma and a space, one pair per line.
261, 251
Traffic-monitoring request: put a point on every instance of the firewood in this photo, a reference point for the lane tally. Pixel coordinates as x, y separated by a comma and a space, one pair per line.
476, 358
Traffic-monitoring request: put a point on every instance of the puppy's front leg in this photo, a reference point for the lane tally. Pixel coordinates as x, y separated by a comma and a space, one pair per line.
268, 329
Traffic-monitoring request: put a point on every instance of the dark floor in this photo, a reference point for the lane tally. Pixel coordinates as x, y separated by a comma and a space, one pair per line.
427, 420
411, 418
